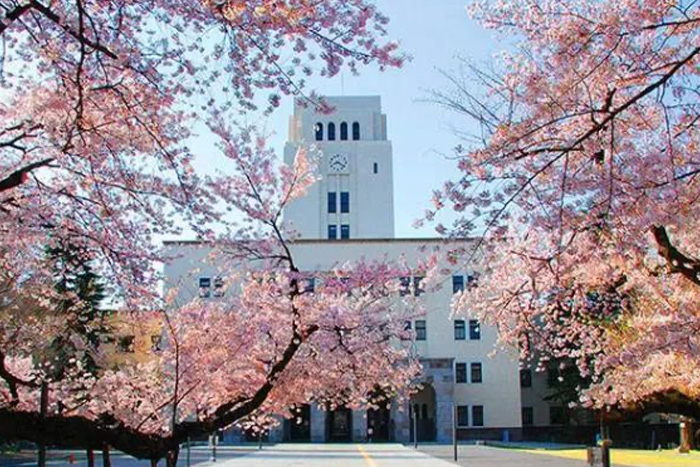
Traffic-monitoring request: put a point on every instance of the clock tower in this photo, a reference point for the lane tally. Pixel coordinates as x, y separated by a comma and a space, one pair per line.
355, 197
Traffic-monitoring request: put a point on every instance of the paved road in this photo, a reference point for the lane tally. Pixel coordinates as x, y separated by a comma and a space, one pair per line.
484, 456
337, 455
342, 455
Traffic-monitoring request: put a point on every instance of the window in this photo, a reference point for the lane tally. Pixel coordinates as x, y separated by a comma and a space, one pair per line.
462, 415
457, 284
156, 341
460, 372
528, 416
344, 202
310, 285
344, 231
355, 131
525, 378
405, 285
376, 168
477, 415
319, 131
417, 288
474, 330
331, 131
476, 375
332, 202
332, 232
218, 287
460, 330
471, 281
552, 377
344, 131
557, 416
126, 344
421, 331
204, 287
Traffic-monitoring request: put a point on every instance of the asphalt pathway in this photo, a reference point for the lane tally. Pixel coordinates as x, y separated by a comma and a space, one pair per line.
334, 455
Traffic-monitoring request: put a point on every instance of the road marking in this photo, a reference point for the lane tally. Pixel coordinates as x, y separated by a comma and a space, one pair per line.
367, 457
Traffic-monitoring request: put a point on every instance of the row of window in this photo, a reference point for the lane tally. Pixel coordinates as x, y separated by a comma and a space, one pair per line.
459, 282
460, 331
557, 416
476, 373
553, 375
411, 286
477, 415
333, 232
343, 131
205, 287
333, 202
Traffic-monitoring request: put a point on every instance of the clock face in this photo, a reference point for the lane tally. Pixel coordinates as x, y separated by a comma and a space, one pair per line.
338, 163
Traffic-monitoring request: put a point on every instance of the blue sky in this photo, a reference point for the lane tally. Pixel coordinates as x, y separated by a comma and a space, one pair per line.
435, 33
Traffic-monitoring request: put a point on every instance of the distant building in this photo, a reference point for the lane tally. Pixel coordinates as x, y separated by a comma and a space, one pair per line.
349, 214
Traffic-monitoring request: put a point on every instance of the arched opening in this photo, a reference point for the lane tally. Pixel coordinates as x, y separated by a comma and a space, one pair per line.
355, 131
319, 131
331, 131
422, 407
344, 131
339, 425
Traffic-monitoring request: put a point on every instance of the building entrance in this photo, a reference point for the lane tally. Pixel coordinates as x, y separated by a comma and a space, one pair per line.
422, 414
299, 426
378, 425
339, 425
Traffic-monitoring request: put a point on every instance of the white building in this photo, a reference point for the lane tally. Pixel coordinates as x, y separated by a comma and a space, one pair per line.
348, 215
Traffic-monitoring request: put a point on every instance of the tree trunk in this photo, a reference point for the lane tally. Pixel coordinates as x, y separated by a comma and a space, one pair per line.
171, 458
154, 462
106, 461
90, 458
686, 428
43, 408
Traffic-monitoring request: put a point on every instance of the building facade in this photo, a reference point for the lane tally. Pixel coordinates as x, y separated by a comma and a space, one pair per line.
349, 215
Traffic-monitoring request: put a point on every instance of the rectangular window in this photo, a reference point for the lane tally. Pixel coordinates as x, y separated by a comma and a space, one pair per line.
376, 168
462, 415
476, 373
552, 377
332, 202
460, 330
557, 416
525, 378
417, 288
457, 284
344, 231
204, 287
405, 285
460, 372
477, 415
421, 331
218, 287
344, 202
471, 281
528, 416
332, 232
474, 330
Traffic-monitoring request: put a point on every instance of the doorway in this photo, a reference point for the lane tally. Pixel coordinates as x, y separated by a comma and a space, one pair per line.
339, 425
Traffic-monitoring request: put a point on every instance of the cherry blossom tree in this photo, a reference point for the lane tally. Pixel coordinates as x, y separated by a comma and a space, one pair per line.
100, 99
580, 185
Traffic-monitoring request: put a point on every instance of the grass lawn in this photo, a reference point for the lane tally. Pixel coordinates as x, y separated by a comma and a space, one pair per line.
631, 457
